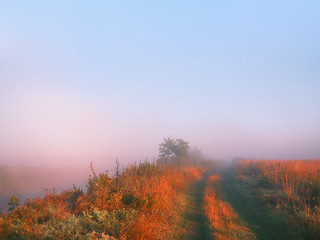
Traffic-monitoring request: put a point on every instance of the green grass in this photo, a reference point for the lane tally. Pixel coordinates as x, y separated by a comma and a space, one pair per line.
264, 221
196, 222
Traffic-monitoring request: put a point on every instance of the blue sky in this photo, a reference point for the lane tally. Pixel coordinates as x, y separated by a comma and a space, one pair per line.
97, 80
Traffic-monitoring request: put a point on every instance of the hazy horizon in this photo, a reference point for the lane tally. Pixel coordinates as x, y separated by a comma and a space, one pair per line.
96, 81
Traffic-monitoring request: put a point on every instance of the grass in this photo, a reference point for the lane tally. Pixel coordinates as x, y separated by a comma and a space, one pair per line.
149, 200
195, 219
225, 223
289, 187
145, 201
266, 223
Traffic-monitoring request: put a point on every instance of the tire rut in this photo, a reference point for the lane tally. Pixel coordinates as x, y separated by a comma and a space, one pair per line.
196, 223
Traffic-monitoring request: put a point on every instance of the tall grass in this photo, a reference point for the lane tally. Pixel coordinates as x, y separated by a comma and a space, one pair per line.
292, 186
145, 201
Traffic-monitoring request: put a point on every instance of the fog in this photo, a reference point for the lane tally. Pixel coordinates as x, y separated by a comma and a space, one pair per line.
50, 135
106, 81
32, 182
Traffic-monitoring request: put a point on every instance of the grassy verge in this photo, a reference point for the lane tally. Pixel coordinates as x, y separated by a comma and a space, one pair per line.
143, 202
263, 220
225, 223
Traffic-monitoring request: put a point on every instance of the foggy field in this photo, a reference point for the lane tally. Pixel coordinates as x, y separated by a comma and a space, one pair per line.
174, 197
160, 120
29, 182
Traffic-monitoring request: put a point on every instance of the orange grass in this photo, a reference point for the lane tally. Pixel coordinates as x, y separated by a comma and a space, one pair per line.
224, 221
294, 184
143, 202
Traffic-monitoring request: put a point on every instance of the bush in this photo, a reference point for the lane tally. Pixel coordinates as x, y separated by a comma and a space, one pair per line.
142, 202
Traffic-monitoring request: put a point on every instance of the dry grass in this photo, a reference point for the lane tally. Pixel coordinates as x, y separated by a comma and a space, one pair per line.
143, 202
224, 221
292, 186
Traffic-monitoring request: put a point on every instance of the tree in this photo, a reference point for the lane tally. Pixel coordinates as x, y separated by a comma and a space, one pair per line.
196, 155
174, 151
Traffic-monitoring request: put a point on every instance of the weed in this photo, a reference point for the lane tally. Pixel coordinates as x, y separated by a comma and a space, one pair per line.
142, 202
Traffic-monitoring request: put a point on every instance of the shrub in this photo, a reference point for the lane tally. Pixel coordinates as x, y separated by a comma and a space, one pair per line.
142, 202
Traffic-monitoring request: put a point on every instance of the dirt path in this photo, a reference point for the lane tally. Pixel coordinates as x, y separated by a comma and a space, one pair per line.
263, 221
195, 219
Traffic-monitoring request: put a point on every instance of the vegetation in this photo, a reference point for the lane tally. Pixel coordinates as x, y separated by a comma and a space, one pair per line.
176, 197
13, 203
224, 221
174, 151
145, 201
291, 187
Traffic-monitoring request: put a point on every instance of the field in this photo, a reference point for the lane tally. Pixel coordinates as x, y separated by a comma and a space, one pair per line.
290, 187
249, 200
143, 202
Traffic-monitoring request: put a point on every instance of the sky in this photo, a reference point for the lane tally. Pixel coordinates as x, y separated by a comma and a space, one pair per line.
85, 81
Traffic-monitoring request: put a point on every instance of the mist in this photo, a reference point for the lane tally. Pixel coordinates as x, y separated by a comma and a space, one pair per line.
29, 182
107, 81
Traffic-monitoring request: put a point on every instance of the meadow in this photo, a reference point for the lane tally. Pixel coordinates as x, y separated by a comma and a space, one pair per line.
291, 187
145, 201
249, 200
